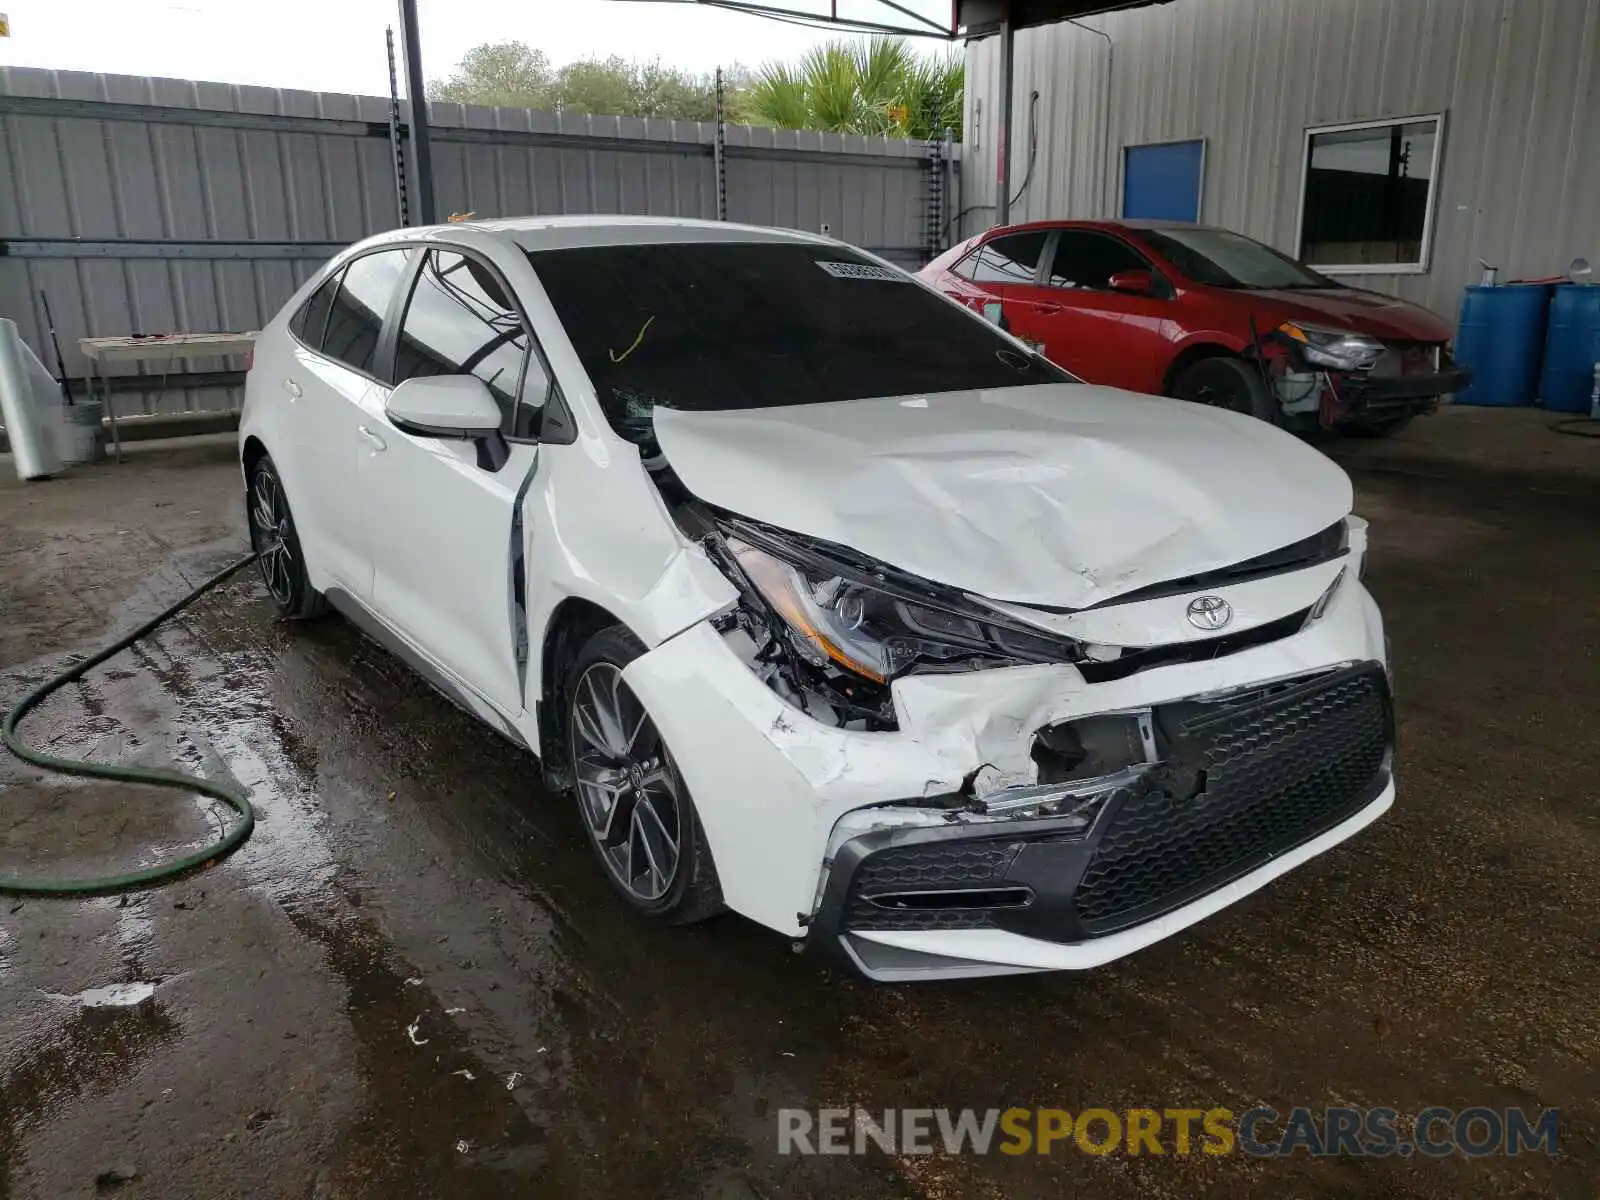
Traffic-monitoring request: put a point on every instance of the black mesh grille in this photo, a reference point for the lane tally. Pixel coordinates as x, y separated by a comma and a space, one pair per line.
1272, 776
930, 866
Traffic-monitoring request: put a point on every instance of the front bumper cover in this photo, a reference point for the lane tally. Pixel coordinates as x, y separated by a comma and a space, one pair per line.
1397, 395
778, 792
1242, 781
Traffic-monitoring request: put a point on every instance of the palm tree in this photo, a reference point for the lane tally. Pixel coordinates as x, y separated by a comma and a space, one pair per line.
874, 86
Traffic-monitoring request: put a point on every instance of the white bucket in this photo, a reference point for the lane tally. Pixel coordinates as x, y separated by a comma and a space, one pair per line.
84, 437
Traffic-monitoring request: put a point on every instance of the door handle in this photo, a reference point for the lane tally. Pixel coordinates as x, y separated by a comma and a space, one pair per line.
293, 388
377, 441
1046, 306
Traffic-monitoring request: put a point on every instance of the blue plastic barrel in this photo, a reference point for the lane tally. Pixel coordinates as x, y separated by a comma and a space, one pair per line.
1571, 349
1500, 336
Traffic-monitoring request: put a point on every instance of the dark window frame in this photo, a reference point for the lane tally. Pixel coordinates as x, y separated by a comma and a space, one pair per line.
333, 280
553, 395
1162, 289
970, 260
383, 326
1422, 264
557, 412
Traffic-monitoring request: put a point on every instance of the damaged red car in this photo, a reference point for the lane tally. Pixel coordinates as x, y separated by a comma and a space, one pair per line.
1206, 315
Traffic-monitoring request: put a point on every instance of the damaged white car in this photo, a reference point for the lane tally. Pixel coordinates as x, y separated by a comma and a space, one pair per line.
832, 604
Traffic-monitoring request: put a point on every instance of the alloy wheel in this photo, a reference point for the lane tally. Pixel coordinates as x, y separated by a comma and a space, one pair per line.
628, 788
270, 528
1217, 396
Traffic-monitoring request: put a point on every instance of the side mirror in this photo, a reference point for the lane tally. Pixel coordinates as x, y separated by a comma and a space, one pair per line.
444, 406
1139, 283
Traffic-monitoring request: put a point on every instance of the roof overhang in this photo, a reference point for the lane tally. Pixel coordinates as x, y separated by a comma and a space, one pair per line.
979, 18
948, 19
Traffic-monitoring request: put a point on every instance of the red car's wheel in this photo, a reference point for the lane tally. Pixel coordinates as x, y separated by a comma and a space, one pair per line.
1227, 383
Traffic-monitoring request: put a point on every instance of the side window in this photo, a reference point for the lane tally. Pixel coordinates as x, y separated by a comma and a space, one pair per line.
312, 318
1010, 259
356, 316
1089, 260
460, 321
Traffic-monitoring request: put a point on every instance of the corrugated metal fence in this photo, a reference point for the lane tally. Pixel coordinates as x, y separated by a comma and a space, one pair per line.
151, 205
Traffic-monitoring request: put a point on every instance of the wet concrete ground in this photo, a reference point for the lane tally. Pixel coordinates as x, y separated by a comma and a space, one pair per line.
414, 982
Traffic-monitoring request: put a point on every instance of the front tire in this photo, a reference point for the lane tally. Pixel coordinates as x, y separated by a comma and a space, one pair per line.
1230, 383
277, 544
634, 805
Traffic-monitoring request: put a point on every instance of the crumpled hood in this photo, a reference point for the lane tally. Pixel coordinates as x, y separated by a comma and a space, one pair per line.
1058, 494
1386, 318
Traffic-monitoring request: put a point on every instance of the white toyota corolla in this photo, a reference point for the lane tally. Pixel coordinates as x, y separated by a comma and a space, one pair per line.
831, 603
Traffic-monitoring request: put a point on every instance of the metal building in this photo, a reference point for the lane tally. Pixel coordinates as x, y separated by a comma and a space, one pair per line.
1394, 141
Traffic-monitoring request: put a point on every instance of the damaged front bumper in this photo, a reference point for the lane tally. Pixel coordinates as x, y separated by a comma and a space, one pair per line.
1378, 396
1245, 786
856, 840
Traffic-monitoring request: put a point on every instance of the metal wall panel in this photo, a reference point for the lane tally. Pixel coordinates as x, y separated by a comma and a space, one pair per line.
241, 192
1517, 80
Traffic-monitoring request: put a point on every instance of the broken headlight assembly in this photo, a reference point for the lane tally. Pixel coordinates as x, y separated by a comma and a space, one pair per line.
838, 630
1336, 349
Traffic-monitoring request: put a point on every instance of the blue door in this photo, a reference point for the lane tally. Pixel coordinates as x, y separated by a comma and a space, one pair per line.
1163, 182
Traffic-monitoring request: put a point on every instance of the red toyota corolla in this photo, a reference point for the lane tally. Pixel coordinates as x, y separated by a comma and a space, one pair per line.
1207, 315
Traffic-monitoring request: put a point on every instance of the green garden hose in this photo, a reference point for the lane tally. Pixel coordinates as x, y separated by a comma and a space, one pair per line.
232, 797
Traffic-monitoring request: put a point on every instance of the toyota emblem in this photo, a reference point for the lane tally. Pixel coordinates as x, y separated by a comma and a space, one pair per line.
1209, 612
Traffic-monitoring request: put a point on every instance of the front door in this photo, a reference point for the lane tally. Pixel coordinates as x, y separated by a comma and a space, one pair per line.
1103, 336
446, 536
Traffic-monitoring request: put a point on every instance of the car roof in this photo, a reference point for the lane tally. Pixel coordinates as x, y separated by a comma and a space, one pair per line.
553, 233
1133, 224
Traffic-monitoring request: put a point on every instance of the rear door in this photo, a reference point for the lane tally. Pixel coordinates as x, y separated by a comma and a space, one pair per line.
330, 382
1114, 338
444, 527
989, 272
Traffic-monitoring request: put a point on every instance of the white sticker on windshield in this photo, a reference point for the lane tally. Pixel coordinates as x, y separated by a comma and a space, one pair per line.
849, 270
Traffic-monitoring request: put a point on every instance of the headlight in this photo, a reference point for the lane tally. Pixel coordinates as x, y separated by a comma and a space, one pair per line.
836, 616
1337, 348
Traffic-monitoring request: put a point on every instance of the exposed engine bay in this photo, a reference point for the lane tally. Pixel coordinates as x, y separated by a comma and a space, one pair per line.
829, 629
1322, 378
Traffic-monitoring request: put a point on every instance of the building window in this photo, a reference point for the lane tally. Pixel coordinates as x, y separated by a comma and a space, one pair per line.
1368, 196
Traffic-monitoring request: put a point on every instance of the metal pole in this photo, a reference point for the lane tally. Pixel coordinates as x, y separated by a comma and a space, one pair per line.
719, 161
396, 149
1008, 48
417, 100
1004, 149
951, 207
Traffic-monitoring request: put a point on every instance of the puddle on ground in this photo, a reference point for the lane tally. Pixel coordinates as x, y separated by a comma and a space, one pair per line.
115, 995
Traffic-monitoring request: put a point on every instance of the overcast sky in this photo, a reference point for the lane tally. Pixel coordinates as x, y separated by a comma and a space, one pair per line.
337, 45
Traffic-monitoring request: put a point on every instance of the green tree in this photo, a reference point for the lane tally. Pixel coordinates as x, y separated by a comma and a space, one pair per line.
500, 74
613, 87
875, 86
514, 74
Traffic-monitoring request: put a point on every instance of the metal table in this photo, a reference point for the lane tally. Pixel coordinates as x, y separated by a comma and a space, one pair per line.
165, 348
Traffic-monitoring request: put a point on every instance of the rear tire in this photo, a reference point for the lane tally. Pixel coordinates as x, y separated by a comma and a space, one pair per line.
1230, 383
275, 541
634, 805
